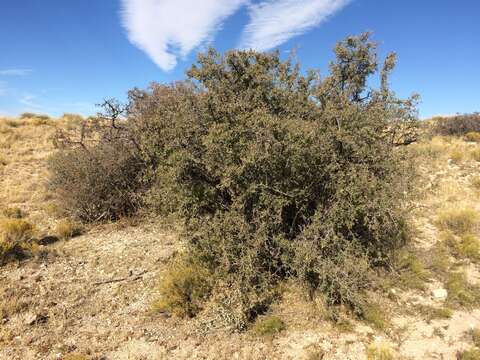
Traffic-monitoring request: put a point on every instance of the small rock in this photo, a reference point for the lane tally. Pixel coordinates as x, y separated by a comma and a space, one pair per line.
439, 294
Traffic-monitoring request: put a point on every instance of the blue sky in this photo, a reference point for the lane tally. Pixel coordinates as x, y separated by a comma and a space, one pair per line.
65, 56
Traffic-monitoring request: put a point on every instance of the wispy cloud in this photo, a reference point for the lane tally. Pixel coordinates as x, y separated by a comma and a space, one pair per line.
273, 22
15, 72
169, 29
30, 101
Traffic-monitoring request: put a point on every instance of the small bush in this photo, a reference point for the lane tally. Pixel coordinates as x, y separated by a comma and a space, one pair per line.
380, 351
15, 238
460, 292
473, 136
13, 213
100, 183
459, 125
459, 221
269, 326
67, 229
184, 289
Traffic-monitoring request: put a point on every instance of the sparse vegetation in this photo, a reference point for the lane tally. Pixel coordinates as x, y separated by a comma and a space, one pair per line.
269, 326
380, 351
475, 155
66, 229
15, 238
433, 313
458, 220
13, 213
472, 354
376, 316
456, 125
460, 291
473, 136
183, 289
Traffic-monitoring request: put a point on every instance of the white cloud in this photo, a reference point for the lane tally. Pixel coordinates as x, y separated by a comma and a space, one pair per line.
15, 72
168, 29
273, 22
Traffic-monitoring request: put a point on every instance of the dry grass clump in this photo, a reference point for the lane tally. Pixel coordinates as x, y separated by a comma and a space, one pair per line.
473, 136
475, 182
412, 271
457, 156
14, 213
74, 357
475, 155
66, 229
380, 351
472, 354
269, 326
433, 313
475, 335
469, 247
376, 316
3, 160
432, 149
15, 238
458, 220
460, 291
183, 289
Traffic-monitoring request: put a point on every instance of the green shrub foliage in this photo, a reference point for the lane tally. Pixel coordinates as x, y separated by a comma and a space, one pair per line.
279, 173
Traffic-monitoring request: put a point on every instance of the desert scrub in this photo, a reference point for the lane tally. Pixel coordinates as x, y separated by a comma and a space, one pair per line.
375, 315
269, 326
13, 213
183, 289
98, 184
433, 313
475, 182
469, 247
457, 220
15, 238
380, 351
412, 272
431, 149
473, 136
66, 229
458, 125
472, 354
457, 156
460, 291
275, 173
475, 155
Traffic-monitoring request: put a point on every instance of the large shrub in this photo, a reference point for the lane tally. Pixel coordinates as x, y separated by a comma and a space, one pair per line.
279, 173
